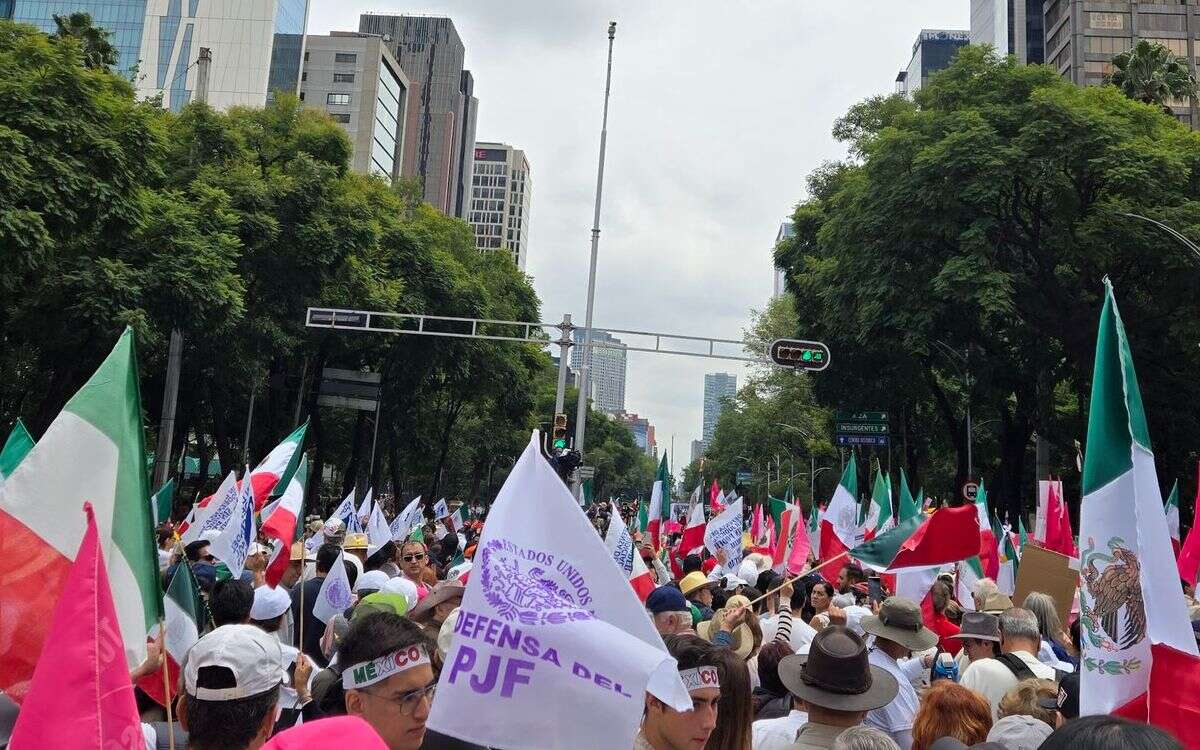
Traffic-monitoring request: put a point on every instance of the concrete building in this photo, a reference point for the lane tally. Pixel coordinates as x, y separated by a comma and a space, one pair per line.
123, 18
607, 379
786, 230
355, 79
257, 49
440, 134
934, 50
1013, 27
697, 450
717, 386
501, 191
1083, 37
643, 432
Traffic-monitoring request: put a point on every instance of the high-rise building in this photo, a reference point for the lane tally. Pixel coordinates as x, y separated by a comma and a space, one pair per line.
717, 386
642, 431
1083, 37
606, 383
501, 190
122, 18
356, 80
440, 135
697, 450
934, 50
1013, 27
786, 230
257, 49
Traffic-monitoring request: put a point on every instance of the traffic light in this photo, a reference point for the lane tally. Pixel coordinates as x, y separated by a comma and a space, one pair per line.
559, 438
801, 355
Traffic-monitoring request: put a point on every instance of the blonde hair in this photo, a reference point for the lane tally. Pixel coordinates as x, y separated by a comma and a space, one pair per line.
1023, 699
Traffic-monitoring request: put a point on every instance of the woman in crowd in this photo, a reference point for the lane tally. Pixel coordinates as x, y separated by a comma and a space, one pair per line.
951, 710
819, 598
735, 712
1054, 640
771, 699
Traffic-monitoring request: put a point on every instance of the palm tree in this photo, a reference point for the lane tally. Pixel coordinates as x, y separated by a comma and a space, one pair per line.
98, 52
1151, 73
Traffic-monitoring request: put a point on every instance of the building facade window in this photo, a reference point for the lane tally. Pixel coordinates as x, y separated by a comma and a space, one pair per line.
1108, 45
342, 117
343, 78
345, 57
338, 99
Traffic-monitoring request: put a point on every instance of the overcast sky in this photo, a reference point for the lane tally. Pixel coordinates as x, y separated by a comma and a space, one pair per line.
718, 112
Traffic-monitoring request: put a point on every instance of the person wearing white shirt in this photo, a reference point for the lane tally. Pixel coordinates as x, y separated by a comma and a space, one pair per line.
899, 630
1019, 643
777, 734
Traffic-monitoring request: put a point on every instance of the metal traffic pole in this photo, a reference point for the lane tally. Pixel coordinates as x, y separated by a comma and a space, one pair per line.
564, 346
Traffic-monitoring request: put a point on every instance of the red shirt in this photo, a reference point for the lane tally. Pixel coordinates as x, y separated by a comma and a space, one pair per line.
944, 629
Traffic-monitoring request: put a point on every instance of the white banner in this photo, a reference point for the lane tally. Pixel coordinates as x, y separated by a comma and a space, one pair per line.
440, 509
216, 514
549, 623
725, 532
335, 595
232, 545
379, 532
619, 541
411, 517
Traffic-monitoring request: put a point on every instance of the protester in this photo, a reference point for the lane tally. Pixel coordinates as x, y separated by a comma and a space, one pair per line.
664, 728
231, 680
296, 562
849, 576
1106, 732
771, 700
996, 604
1036, 698
1053, 649
433, 610
734, 626
979, 636
982, 590
413, 555
356, 545
269, 608
669, 610
735, 711
327, 556
370, 582
198, 551
820, 598
946, 630
1019, 642
864, 738
1019, 732
698, 590
899, 630
835, 685
230, 602
950, 710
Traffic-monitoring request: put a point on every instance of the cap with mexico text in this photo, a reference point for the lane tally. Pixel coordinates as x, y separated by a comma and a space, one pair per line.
249, 659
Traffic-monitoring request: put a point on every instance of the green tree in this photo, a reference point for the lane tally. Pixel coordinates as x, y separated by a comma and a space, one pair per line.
98, 52
1152, 74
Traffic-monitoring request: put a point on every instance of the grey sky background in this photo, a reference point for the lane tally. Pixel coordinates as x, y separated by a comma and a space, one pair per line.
719, 110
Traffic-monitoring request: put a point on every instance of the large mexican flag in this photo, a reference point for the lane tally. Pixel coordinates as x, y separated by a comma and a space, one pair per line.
93, 451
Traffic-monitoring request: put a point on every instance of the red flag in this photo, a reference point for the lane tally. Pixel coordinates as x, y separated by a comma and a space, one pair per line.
1189, 556
1059, 536
1172, 701
693, 535
81, 696
714, 495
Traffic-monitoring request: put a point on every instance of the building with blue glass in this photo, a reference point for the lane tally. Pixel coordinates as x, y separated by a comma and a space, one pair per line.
123, 18
934, 50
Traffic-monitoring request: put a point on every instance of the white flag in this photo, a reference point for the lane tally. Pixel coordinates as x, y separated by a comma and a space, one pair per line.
440, 509
549, 621
232, 545
379, 532
411, 517
220, 507
335, 595
364, 511
619, 541
725, 532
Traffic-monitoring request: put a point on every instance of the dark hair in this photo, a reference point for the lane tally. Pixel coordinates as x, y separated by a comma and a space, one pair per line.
690, 650
192, 550
270, 626
384, 554
691, 564
370, 637
218, 725
230, 602
768, 667
1107, 732
351, 572
326, 555
854, 574
735, 708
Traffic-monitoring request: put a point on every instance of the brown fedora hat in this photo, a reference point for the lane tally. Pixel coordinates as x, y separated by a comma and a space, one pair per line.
982, 626
900, 620
441, 592
836, 674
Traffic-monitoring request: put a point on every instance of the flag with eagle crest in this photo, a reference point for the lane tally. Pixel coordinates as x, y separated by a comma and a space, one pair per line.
1129, 597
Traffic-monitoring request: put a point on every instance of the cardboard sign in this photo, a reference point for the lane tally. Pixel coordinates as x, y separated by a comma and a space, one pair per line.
1050, 573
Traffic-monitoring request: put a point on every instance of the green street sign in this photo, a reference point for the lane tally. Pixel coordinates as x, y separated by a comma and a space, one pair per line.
861, 428
860, 416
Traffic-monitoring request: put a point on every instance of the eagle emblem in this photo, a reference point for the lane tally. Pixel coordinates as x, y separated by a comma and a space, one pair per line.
1112, 609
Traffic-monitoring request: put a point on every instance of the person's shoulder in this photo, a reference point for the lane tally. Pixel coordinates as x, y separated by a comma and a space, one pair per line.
982, 669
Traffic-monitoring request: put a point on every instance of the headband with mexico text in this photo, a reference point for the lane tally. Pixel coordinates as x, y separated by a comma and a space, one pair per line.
370, 672
700, 678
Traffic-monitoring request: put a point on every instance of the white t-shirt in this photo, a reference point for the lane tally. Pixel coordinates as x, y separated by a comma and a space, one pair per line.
896, 718
991, 679
777, 734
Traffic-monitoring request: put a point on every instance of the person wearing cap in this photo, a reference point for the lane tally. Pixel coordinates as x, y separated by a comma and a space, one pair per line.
833, 687
664, 728
298, 558
231, 680
669, 611
697, 589
1020, 640
433, 610
899, 630
370, 582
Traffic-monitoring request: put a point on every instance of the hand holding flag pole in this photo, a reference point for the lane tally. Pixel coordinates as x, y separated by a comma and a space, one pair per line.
797, 577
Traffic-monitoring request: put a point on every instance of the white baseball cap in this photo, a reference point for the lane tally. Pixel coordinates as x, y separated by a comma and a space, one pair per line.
269, 603
372, 580
251, 654
403, 587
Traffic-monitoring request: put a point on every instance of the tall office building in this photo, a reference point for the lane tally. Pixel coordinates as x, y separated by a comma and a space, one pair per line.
934, 50
356, 80
501, 190
1083, 37
1013, 27
257, 49
642, 431
123, 18
786, 230
717, 386
440, 135
607, 378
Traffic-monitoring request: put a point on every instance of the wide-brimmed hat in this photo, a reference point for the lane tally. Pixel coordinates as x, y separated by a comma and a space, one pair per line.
693, 582
997, 603
442, 592
836, 674
356, 540
900, 620
743, 636
981, 626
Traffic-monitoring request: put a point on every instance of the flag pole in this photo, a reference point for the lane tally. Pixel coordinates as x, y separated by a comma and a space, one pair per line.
793, 579
303, 565
162, 637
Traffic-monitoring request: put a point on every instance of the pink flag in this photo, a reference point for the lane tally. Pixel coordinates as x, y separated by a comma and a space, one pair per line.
756, 524
801, 545
1189, 554
81, 695
1059, 536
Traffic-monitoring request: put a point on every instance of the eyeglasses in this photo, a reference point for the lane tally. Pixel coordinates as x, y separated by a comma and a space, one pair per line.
413, 558
409, 701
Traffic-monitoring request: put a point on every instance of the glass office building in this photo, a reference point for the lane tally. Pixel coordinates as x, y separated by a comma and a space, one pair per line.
123, 18
287, 47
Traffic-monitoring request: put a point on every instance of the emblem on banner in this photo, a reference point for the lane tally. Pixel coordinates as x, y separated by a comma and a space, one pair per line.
1112, 611
531, 586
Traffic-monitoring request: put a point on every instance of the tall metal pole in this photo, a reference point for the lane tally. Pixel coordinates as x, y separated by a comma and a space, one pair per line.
812, 481
249, 422
374, 442
564, 346
585, 369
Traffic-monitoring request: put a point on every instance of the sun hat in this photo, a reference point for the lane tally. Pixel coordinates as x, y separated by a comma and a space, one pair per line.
743, 636
269, 603
981, 626
298, 553
357, 540
693, 582
900, 620
997, 603
836, 673
442, 592
251, 654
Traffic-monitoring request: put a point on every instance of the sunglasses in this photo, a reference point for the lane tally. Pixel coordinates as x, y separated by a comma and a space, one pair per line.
413, 558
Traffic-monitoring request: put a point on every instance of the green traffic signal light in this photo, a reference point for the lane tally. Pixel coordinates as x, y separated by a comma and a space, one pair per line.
560, 444
807, 356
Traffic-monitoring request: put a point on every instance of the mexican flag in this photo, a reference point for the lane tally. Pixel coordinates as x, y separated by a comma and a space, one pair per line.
162, 502
1172, 511
18, 445
626, 555
1129, 596
660, 503
279, 463
458, 519
814, 528
283, 525
839, 526
878, 516
989, 550
1006, 579
968, 571
909, 508
93, 451
947, 536
185, 617
693, 535
792, 547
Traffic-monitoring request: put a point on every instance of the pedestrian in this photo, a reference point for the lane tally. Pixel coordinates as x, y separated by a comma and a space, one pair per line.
231, 680
1036, 698
1053, 649
664, 728
771, 699
269, 607
940, 623
835, 685
296, 562
734, 626
370, 582
699, 591
979, 635
864, 738
356, 545
1107, 732
982, 590
230, 602
669, 611
413, 556
950, 710
1019, 732
735, 709
1019, 643
327, 556
899, 630
433, 610
820, 598
849, 576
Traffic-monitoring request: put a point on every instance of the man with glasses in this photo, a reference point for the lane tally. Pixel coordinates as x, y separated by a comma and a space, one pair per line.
413, 557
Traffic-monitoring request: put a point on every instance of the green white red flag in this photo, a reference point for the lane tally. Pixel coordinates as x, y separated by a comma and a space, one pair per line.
283, 523
877, 517
279, 463
660, 503
1129, 597
18, 445
184, 618
792, 547
989, 550
946, 536
620, 543
1172, 511
93, 451
839, 526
